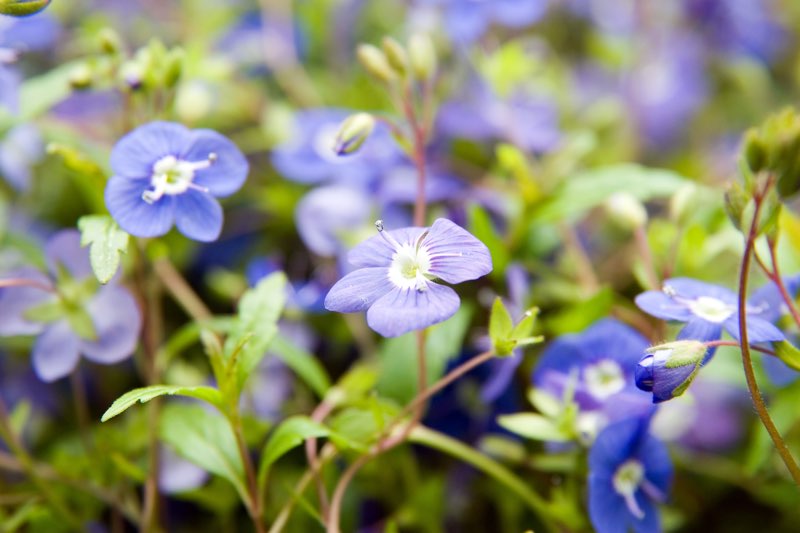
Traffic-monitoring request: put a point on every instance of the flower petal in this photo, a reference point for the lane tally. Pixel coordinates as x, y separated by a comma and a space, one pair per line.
198, 215
378, 251
358, 290
135, 154
758, 329
455, 254
692, 288
700, 330
660, 305
326, 214
607, 509
14, 301
64, 248
117, 322
402, 311
55, 352
134, 215
229, 171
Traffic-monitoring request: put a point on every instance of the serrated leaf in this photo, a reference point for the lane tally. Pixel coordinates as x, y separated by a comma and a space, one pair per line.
145, 394
289, 434
256, 324
532, 426
206, 439
106, 240
788, 353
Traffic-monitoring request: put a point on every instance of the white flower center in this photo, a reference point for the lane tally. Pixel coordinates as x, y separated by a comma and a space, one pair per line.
626, 481
409, 268
173, 176
711, 309
604, 378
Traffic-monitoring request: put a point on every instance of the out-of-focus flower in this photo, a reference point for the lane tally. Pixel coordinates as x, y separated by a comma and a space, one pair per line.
394, 284
21, 147
308, 155
706, 309
177, 474
598, 365
68, 312
668, 369
629, 470
327, 214
529, 122
747, 27
254, 45
467, 20
166, 174
770, 303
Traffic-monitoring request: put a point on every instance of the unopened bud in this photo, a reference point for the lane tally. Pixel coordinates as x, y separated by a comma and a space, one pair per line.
81, 77
626, 210
132, 75
376, 62
668, 369
353, 132
755, 152
110, 42
422, 56
22, 8
395, 54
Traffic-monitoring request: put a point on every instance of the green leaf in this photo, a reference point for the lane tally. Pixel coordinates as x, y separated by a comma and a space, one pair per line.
304, 364
41, 93
532, 426
106, 242
290, 434
578, 316
500, 327
256, 325
145, 394
524, 327
788, 353
398, 356
588, 189
206, 439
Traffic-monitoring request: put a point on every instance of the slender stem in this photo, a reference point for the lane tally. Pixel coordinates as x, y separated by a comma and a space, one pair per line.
319, 414
712, 344
646, 254
778, 279
180, 289
254, 507
419, 140
81, 408
23, 282
747, 362
585, 271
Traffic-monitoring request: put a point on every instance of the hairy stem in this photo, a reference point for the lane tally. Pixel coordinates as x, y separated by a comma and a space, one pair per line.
747, 362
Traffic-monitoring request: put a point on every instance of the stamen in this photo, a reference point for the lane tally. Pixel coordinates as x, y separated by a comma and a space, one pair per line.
201, 165
669, 291
197, 187
386, 235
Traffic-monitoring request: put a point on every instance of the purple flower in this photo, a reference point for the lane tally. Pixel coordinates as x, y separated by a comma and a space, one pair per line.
308, 155
166, 174
629, 470
68, 312
467, 20
327, 214
176, 474
393, 282
598, 365
706, 309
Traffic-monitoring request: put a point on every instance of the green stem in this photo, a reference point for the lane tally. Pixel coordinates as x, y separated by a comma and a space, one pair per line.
438, 441
747, 362
254, 506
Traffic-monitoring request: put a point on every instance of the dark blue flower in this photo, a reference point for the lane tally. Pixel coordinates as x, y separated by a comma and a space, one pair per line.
166, 174
629, 470
706, 309
599, 365
68, 312
667, 370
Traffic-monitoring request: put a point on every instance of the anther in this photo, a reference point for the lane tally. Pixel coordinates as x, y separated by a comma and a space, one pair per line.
379, 225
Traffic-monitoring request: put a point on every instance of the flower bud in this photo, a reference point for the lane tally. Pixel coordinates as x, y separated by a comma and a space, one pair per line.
376, 62
109, 41
395, 54
81, 77
132, 75
626, 211
422, 56
353, 132
755, 152
667, 370
22, 8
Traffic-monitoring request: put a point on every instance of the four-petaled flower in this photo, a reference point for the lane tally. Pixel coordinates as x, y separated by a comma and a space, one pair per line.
166, 174
706, 309
68, 311
394, 280
629, 470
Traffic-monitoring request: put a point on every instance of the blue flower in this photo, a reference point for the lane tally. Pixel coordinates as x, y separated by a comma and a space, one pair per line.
598, 364
772, 307
706, 309
394, 284
166, 174
467, 20
308, 155
325, 215
629, 470
68, 312
21, 147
